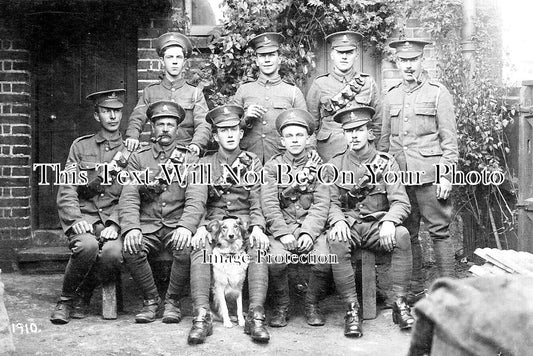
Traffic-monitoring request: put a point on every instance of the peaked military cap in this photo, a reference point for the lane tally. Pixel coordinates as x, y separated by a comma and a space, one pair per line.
354, 117
266, 42
112, 99
164, 108
225, 115
298, 117
409, 48
173, 39
345, 40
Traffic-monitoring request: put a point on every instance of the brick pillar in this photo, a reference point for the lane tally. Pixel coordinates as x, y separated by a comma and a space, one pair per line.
15, 145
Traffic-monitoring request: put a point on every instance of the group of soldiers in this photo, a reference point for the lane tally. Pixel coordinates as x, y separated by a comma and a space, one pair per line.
344, 121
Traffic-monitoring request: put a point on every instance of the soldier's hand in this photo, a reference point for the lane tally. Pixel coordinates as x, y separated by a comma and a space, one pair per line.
444, 189
81, 227
110, 232
133, 241
194, 148
181, 238
387, 235
131, 144
289, 242
255, 111
258, 238
305, 243
315, 158
198, 240
340, 231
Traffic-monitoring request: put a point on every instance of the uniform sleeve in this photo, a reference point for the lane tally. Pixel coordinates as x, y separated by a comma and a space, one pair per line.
399, 206
299, 99
383, 144
202, 129
68, 206
256, 214
129, 204
237, 99
138, 117
195, 200
316, 218
313, 103
335, 211
447, 128
275, 221
377, 119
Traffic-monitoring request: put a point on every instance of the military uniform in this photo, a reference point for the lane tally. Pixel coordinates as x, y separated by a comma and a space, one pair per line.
233, 199
420, 129
330, 139
92, 258
302, 210
274, 94
364, 214
157, 215
193, 129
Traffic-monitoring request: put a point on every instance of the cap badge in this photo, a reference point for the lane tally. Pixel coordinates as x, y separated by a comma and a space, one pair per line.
226, 111
267, 40
113, 95
344, 38
165, 108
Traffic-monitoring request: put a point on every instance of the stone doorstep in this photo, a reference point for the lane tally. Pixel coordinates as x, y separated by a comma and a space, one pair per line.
40, 259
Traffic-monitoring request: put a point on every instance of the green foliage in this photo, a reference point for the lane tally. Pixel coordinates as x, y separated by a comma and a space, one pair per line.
304, 25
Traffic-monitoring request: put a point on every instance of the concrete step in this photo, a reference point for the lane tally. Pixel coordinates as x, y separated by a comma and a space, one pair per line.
42, 259
49, 238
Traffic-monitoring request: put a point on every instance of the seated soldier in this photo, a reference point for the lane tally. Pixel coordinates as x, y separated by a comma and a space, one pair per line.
227, 197
295, 213
367, 213
159, 213
88, 213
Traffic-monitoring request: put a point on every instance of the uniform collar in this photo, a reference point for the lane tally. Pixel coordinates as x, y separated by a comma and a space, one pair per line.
263, 80
112, 143
357, 158
228, 158
172, 85
295, 161
157, 149
344, 77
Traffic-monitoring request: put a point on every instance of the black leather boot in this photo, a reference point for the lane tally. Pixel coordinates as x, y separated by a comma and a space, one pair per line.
149, 311
172, 313
255, 325
401, 314
352, 321
313, 315
61, 313
279, 317
202, 327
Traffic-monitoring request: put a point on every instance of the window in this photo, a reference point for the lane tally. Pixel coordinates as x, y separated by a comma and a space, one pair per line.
204, 15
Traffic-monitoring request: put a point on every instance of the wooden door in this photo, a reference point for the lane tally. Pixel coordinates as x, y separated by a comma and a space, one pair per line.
74, 55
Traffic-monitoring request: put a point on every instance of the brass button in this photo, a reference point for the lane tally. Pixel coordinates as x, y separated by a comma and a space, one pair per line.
263, 135
264, 122
164, 204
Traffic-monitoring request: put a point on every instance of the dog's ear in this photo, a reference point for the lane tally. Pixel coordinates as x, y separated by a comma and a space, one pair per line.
243, 225
213, 227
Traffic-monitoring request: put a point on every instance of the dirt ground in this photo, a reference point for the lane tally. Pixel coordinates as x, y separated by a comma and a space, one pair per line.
29, 299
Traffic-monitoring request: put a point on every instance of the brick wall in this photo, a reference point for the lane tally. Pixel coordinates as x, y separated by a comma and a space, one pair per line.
15, 143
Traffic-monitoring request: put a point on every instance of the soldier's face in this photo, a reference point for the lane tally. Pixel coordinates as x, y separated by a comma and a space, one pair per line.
173, 60
294, 138
357, 138
108, 118
228, 138
165, 130
268, 63
344, 61
411, 68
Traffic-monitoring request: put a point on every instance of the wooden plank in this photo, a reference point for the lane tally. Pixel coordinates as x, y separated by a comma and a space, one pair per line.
368, 273
109, 301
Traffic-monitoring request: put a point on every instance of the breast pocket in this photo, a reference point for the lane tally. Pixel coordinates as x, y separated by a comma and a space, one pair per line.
394, 113
426, 114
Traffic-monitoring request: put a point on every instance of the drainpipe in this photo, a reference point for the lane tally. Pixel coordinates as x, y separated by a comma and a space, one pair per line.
468, 46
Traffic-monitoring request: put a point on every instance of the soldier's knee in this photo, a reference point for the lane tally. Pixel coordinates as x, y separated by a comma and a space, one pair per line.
403, 239
277, 268
85, 245
339, 248
182, 256
134, 257
111, 254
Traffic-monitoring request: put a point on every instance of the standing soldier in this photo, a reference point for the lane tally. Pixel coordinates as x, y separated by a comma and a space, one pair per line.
419, 125
173, 50
366, 212
341, 88
160, 213
88, 213
264, 99
230, 198
295, 213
